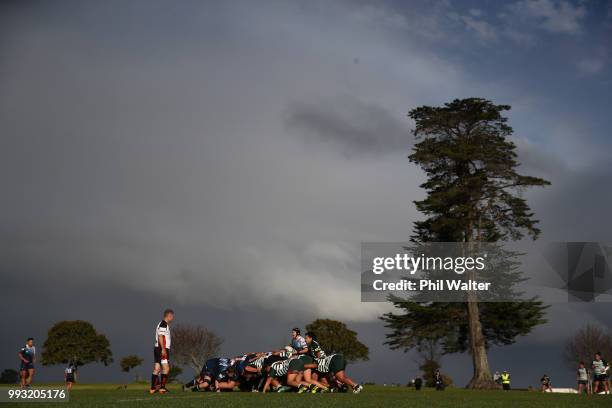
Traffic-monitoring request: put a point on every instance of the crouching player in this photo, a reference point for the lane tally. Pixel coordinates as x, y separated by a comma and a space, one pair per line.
334, 366
291, 369
213, 371
309, 377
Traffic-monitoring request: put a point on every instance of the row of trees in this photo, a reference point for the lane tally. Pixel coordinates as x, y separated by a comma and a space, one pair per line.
78, 342
337, 338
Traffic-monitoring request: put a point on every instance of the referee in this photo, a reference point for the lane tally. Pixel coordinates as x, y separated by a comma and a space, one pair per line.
161, 354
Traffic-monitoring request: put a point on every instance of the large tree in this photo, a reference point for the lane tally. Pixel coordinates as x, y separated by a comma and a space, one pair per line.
473, 195
192, 345
335, 337
76, 341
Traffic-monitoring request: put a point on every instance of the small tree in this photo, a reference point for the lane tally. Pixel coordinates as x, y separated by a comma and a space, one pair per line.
587, 341
76, 341
429, 356
193, 345
429, 368
335, 337
9, 376
130, 362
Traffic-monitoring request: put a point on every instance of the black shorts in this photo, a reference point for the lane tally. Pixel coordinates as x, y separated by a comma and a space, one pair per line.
583, 382
70, 379
600, 377
26, 366
506, 386
157, 355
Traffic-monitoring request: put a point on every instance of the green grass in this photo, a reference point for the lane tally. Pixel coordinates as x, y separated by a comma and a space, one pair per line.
373, 396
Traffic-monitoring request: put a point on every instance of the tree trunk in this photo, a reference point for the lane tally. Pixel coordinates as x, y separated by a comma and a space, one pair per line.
482, 378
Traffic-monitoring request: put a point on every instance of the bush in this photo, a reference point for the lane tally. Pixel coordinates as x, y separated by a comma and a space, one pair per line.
9, 376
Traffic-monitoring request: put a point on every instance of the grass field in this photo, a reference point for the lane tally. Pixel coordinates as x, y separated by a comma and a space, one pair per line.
373, 396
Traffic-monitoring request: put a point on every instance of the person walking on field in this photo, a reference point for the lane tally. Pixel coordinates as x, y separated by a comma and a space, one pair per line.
161, 354
70, 374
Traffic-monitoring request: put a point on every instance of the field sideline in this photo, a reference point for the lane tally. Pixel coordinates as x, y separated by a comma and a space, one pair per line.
373, 396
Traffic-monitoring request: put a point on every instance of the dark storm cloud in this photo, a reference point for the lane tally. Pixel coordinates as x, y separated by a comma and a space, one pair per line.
353, 126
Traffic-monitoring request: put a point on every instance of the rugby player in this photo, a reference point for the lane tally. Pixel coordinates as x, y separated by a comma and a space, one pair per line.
600, 374
291, 370
213, 372
298, 342
314, 386
335, 365
314, 348
546, 385
583, 378
161, 353
70, 375
27, 357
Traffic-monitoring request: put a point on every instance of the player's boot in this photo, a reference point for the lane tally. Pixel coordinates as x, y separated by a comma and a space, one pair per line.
152, 391
163, 390
357, 389
302, 389
284, 389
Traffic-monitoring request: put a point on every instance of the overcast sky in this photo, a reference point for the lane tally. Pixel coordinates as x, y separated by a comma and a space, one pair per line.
228, 158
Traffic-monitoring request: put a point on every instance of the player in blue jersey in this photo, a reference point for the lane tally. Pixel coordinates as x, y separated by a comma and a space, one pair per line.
298, 342
27, 358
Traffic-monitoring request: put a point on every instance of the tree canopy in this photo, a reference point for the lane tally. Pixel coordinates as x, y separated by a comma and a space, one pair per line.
130, 362
335, 337
76, 341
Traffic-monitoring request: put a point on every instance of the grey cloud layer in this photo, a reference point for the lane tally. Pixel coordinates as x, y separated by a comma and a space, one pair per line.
352, 125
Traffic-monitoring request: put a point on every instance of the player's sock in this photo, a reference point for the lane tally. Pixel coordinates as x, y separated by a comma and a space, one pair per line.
164, 379
154, 381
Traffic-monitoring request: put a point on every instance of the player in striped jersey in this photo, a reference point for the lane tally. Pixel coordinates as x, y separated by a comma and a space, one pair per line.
291, 369
335, 365
600, 374
307, 376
